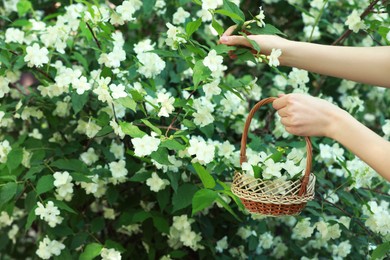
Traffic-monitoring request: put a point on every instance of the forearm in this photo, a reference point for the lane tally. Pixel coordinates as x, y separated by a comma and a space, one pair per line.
364, 143
370, 65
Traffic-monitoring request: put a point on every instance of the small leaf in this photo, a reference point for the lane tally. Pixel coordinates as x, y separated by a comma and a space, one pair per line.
191, 27
206, 178
128, 102
132, 130
14, 158
254, 44
151, 126
79, 177
79, 101
173, 145
201, 72
267, 29
45, 184
64, 206
91, 251
161, 224
381, 251
183, 197
161, 156
227, 207
30, 219
233, 8
7, 192
202, 199
229, 14
72, 165
217, 27
23, 6
222, 48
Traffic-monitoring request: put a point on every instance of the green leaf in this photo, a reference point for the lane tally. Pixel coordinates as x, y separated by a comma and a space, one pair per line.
151, 126
14, 158
7, 192
193, 26
227, 207
254, 44
23, 6
201, 72
30, 219
79, 177
206, 178
233, 8
202, 199
381, 251
81, 59
64, 206
148, 6
21, 23
222, 48
4, 59
183, 197
217, 27
45, 184
128, 102
5, 18
72, 165
161, 224
140, 176
161, 156
232, 15
79, 101
132, 130
172, 144
91, 251
267, 29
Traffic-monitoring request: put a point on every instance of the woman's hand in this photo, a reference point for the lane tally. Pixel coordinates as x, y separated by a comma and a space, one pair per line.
305, 115
266, 42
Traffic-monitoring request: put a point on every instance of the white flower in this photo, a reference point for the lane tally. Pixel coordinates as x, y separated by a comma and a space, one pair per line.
222, 244
291, 168
49, 248
14, 35
13, 232
266, 240
63, 182
342, 250
354, 22
152, 64
213, 61
273, 57
144, 46
36, 134
50, 213
118, 91
302, 229
36, 56
378, 217
128, 8
272, 170
145, 145
173, 39
110, 254
89, 157
156, 183
298, 78
81, 85
5, 148
91, 129
248, 169
260, 18
4, 89
118, 150
180, 16
118, 169
212, 88
386, 128
117, 128
211, 4
61, 178
203, 152
166, 101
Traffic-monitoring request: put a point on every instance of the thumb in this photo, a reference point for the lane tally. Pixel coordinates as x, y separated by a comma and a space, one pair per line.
235, 40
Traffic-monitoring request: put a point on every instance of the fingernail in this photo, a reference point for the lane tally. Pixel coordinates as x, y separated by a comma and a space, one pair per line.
224, 39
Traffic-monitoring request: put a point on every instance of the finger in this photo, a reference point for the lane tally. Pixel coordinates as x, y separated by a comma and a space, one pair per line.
283, 112
279, 102
286, 122
229, 30
281, 95
235, 40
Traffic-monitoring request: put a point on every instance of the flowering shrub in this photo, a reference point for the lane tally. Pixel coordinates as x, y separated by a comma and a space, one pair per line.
121, 121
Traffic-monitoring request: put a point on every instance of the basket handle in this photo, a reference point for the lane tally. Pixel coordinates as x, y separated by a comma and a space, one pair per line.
244, 137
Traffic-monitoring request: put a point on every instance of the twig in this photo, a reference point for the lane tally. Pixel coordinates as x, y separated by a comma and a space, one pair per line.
364, 14
178, 113
161, 127
357, 220
379, 192
17, 88
94, 36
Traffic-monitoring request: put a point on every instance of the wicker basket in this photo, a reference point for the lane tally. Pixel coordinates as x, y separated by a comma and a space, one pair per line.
273, 198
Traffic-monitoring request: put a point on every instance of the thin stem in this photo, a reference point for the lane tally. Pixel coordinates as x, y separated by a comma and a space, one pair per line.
161, 127
94, 36
379, 192
178, 113
48, 166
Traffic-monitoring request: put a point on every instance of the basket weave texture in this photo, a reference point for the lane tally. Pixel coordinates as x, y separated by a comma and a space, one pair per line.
273, 197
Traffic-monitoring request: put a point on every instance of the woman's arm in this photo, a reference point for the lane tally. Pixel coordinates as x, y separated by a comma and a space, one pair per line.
370, 65
305, 115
